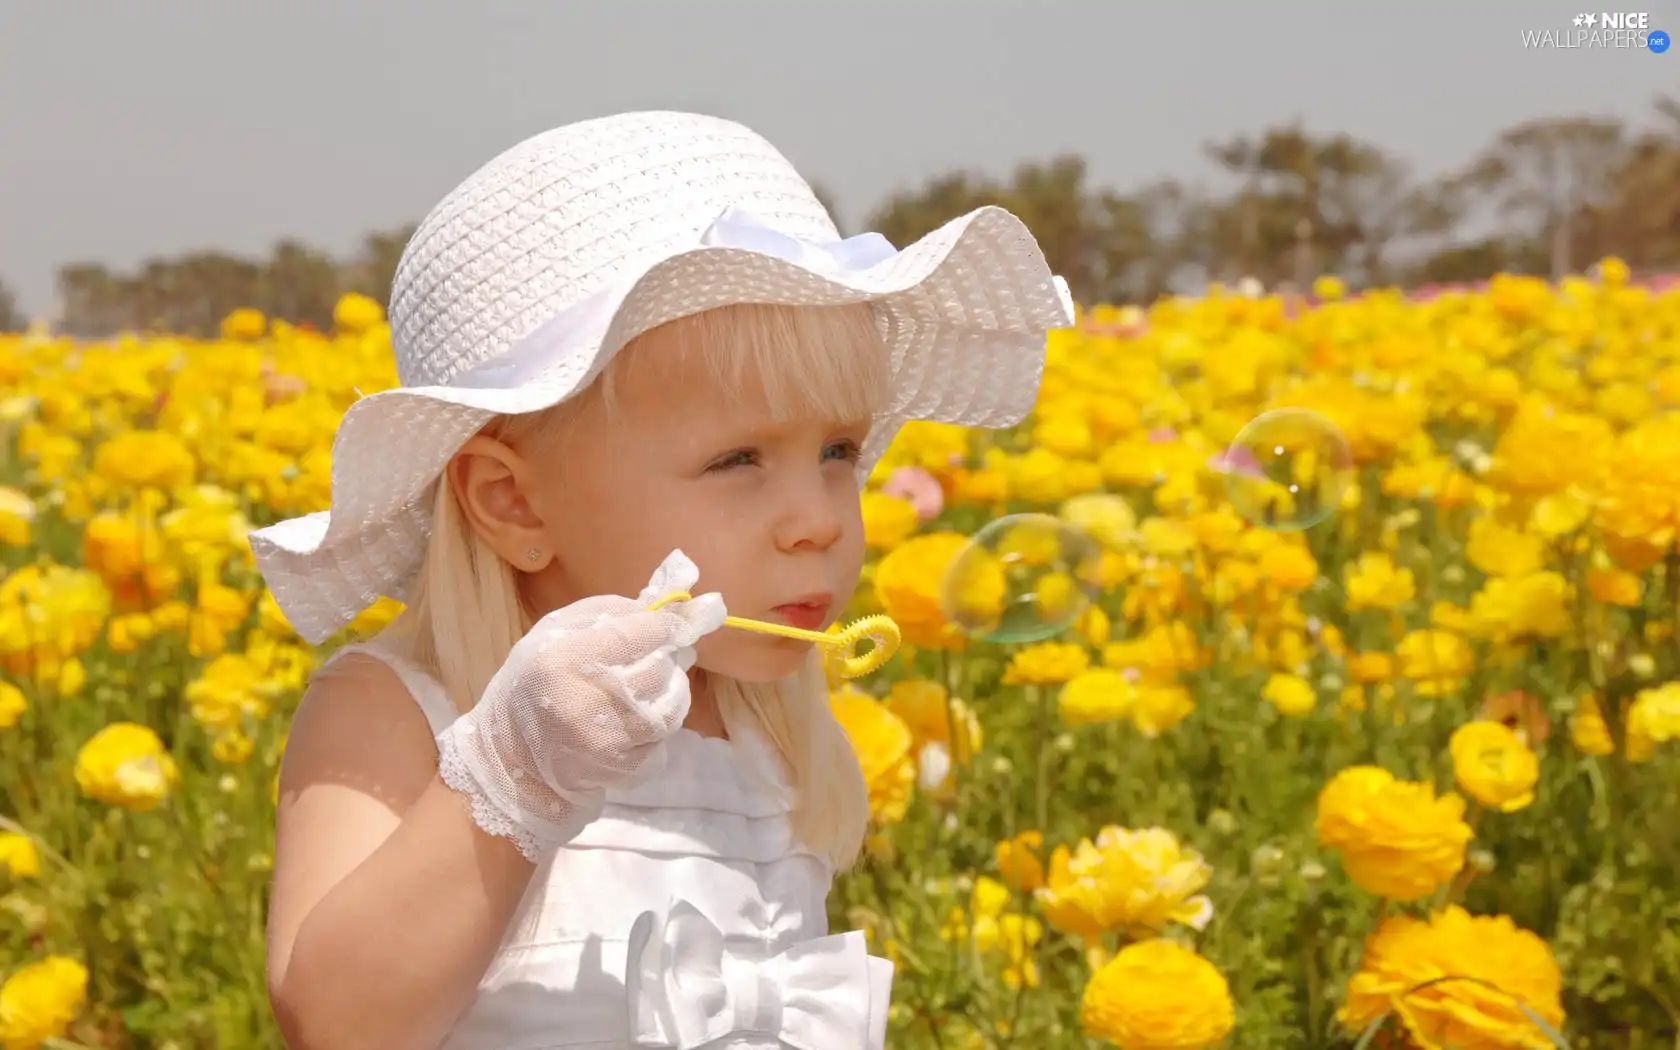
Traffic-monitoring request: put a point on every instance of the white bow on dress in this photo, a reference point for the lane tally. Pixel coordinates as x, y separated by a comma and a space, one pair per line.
686, 989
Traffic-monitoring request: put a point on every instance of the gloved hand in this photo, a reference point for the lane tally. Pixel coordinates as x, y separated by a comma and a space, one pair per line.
583, 702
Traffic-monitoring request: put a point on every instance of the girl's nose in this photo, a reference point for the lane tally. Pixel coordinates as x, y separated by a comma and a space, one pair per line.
812, 519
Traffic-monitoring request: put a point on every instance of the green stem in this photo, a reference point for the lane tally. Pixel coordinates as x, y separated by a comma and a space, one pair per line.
1042, 772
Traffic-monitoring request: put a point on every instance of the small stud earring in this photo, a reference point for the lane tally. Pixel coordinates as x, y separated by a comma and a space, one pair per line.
533, 555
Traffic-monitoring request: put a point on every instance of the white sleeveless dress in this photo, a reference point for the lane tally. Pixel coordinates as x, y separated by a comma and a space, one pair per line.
686, 916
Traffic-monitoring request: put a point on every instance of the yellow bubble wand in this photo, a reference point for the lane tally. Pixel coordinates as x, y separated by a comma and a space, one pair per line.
843, 657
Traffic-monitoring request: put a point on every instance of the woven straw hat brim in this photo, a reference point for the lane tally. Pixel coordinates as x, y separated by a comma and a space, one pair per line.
964, 311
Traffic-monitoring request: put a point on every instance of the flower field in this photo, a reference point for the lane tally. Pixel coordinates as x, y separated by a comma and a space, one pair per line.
1409, 777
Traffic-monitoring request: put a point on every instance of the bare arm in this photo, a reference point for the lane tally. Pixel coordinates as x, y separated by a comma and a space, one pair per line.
388, 901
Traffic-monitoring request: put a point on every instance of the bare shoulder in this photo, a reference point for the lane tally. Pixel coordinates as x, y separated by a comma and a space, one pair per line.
358, 728
358, 756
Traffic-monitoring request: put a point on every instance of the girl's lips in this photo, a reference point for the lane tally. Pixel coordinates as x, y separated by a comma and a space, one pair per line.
807, 616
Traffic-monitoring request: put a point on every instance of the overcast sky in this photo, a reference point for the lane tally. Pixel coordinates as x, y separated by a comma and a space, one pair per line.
134, 129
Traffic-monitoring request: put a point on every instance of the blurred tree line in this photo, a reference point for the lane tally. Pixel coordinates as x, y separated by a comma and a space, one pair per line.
1546, 197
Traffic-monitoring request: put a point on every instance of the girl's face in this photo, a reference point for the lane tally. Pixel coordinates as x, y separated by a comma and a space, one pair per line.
766, 505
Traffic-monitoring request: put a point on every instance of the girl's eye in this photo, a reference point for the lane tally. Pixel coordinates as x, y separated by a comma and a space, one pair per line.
739, 458
847, 450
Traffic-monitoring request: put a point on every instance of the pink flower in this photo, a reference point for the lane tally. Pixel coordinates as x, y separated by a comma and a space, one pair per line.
920, 488
1237, 460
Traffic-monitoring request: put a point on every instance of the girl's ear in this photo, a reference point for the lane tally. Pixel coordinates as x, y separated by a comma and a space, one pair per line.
491, 483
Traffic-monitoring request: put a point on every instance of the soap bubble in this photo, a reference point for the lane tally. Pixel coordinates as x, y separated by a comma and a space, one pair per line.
1021, 578
1287, 470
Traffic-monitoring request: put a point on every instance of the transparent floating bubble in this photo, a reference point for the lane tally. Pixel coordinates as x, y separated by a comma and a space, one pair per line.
1287, 470
1021, 578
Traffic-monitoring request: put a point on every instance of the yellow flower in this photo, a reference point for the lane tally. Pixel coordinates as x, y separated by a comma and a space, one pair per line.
935, 447
1328, 288
1367, 668
1038, 476
1093, 625
1587, 729
1374, 583
1137, 881
908, 584
356, 313
129, 553
979, 487
232, 747
1396, 838
1536, 605
244, 325
1291, 694
1095, 696
1063, 435
1436, 661
1160, 707
1158, 655
1158, 995
1614, 586
882, 743
206, 529
17, 516
72, 678
1046, 663
12, 705
1501, 551
998, 930
1018, 861
1290, 568
1560, 514
18, 855
1104, 517
1493, 765
1493, 964
1640, 499
145, 459
1653, 719
923, 705
887, 520
217, 613
39, 1001
230, 689
125, 765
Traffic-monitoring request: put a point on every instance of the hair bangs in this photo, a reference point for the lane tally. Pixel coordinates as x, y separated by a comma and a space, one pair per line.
824, 362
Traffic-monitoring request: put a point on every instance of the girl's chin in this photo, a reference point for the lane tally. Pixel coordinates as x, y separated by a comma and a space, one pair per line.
756, 660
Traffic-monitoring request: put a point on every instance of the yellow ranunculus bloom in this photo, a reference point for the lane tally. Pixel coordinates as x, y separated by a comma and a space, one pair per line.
1374, 583
1495, 965
39, 1001
1158, 995
1292, 695
1097, 695
125, 765
887, 520
12, 705
1136, 881
1397, 839
18, 855
1046, 663
1493, 765
909, 583
882, 742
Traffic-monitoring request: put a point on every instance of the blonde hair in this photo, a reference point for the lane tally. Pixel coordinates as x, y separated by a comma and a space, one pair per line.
826, 361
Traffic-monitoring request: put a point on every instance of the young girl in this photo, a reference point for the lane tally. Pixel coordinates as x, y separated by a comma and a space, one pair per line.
635, 360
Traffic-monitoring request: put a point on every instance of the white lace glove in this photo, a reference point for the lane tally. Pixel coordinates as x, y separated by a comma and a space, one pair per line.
583, 702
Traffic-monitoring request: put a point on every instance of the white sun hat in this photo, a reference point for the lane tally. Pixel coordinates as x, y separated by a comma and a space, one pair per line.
522, 283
